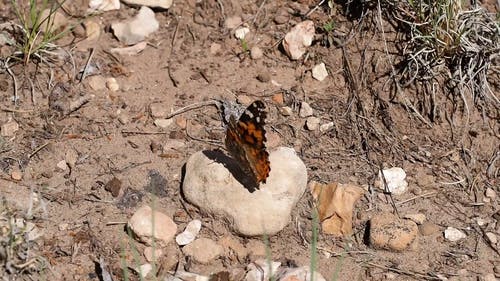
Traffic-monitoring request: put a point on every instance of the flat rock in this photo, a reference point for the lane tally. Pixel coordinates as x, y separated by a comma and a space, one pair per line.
133, 31
391, 233
203, 250
104, 5
211, 185
298, 39
395, 178
141, 223
319, 72
428, 228
302, 273
452, 234
164, 4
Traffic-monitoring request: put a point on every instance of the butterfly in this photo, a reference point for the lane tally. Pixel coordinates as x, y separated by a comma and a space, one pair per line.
245, 141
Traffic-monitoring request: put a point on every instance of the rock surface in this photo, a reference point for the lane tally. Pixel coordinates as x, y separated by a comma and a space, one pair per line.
164, 4
141, 223
391, 233
211, 185
203, 250
298, 39
189, 234
395, 178
133, 31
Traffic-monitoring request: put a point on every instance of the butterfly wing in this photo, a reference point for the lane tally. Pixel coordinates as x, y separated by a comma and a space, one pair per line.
245, 141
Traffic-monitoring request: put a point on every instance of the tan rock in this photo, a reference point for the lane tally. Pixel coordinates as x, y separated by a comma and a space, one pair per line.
391, 233
145, 220
203, 250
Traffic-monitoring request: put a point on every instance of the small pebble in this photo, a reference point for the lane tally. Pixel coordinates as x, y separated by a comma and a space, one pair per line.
264, 77
241, 32
203, 250
62, 166
286, 111
16, 175
189, 234
492, 238
181, 122
63, 226
112, 84
278, 98
305, 110
144, 270
319, 72
92, 30
490, 193
163, 123
256, 53
326, 127
452, 234
312, 123
114, 186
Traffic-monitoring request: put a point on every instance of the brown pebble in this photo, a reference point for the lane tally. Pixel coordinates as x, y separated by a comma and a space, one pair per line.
48, 174
114, 186
428, 228
155, 146
181, 122
16, 175
264, 77
278, 98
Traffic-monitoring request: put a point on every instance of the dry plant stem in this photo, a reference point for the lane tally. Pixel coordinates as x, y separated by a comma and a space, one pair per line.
393, 71
14, 80
416, 197
193, 106
89, 59
405, 272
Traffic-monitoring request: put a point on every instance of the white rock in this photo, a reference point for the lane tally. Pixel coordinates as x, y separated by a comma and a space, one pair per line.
61, 165
492, 238
143, 270
164, 4
259, 270
203, 250
395, 179
286, 111
298, 39
133, 31
305, 110
312, 123
302, 273
452, 234
112, 84
209, 185
141, 223
164, 123
9, 129
326, 127
241, 32
189, 234
104, 5
319, 72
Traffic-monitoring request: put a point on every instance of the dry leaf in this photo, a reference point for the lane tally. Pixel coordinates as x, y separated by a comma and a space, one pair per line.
335, 202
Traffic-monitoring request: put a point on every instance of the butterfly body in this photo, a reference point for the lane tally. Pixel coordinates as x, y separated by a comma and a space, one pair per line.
245, 142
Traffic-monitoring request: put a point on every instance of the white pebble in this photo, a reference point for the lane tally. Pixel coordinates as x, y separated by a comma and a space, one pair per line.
319, 72
189, 234
452, 234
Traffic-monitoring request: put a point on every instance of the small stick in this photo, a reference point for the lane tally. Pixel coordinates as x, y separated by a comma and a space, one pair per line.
415, 197
38, 149
193, 106
6, 64
87, 64
16, 110
143, 132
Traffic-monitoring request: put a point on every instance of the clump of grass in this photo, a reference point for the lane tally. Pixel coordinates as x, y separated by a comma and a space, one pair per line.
17, 254
449, 41
36, 32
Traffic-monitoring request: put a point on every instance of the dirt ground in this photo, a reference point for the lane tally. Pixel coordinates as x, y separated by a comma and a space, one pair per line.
446, 157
